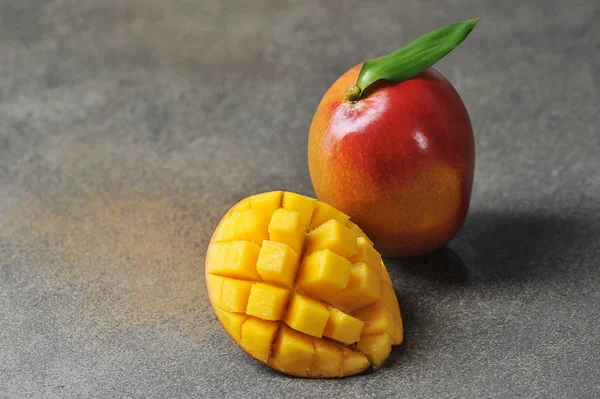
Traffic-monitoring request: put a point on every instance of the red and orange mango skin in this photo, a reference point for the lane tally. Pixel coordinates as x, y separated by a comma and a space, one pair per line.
399, 161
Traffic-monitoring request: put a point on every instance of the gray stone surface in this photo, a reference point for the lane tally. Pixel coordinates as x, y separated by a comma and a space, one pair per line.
127, 128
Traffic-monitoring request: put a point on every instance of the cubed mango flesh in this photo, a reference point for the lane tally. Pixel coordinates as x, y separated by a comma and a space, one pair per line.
267, 301
299, 287
364, 288
342, 327
375, 347
301, 204
327, 361
245, 225
236, 259
277, 263
266, 203
367, 254
323, 273
293, 352
334, 236
251, 226
286, 227
307, 315
234, 294
226, 230
381, 316
257, 337
354, 361
324, 212
232, 322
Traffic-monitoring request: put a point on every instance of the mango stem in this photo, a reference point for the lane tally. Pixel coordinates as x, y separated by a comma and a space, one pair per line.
352, 93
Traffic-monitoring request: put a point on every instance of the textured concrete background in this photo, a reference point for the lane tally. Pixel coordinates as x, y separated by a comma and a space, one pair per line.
127, 128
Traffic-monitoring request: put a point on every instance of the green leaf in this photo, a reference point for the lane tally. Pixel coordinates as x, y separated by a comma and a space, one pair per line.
416, 57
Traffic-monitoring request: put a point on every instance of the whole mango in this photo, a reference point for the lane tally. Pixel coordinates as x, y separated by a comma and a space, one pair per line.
391, 145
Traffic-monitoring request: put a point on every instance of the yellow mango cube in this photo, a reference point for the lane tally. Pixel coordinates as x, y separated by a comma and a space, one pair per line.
364, 288
301, 204
286, 227
213, 286
266, 203
226, 230
324, 212
250, 226
323, 272
327, 361
357, 230
307, 315
293, 352
216, 256
277, 263
234, 294
377, 348
236, 259
378, 318
257, 337
334, 236
367, 254
354, 362
242, 205
267, 302
343, 327
231, 322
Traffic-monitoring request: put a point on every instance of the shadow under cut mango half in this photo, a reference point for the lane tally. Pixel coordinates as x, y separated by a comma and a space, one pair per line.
299, 287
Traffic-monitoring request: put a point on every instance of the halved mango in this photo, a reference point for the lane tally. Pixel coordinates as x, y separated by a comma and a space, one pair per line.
300, 287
